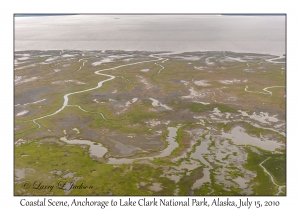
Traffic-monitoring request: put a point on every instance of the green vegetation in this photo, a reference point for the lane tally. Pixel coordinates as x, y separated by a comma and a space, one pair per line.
264, 184
187, 182
198, 107
103, 177
225, 108
276, 165
129, 128
250, 129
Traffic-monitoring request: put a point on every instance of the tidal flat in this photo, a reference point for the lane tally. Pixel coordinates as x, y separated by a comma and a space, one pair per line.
149, 123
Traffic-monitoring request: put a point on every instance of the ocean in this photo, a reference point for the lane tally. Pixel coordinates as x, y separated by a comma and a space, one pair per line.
177, 33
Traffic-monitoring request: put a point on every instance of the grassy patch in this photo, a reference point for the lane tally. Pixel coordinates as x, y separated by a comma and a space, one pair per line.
264, 185
104, 178
276, 165
225, 108
197, 107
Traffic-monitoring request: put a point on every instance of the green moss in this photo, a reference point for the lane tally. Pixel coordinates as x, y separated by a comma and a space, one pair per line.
225, 158
225, 108
264, 184
276, 165
186, 182
197, 107
179, 137
198, 143
203, 190
124, 179
103, 178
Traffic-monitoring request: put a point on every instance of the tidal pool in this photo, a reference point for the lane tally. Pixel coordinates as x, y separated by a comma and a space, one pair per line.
239, 137
198, 154
95, 149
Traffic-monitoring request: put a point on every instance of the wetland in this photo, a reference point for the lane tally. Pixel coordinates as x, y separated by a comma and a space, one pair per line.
150, 123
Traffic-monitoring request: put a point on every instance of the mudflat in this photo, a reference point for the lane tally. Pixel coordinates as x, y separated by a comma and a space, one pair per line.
150, 123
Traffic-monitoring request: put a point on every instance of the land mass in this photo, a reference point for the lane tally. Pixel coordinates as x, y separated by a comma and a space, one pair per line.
149, 123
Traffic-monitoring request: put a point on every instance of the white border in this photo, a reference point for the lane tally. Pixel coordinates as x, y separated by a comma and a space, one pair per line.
154, 6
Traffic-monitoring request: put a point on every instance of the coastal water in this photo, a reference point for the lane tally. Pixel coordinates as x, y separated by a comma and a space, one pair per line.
179, 33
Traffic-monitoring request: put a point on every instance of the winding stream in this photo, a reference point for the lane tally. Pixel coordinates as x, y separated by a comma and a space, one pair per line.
272, 178
99, 150
271, 60
84, 61
265, 89
172, 144
111, 77
89, 111
162, 67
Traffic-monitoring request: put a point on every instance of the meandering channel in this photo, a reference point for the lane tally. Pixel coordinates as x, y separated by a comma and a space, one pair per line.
271, 60
97, 149
89, 111
272, 178
265, 89
111, 77
172, 144
84, 61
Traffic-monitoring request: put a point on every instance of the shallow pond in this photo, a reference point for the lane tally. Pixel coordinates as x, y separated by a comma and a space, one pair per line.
198, 154
239, 137
95, 149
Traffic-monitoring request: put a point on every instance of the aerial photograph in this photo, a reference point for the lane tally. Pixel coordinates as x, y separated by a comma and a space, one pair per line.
149, 104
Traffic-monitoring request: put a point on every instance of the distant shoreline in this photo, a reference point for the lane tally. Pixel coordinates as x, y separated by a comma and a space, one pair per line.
158, 52
40, 15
